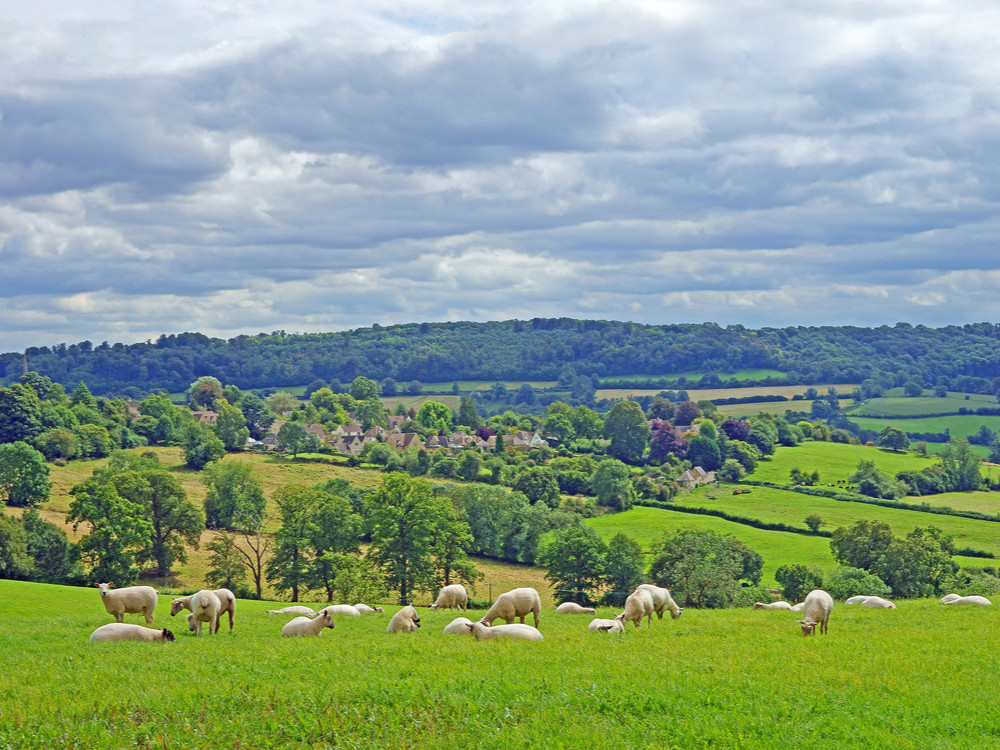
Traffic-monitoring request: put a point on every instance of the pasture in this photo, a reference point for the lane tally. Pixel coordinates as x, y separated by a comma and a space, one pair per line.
723, 679
834, 461
960, 425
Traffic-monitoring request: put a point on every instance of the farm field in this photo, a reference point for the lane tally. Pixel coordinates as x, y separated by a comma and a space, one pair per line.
769, 407
724, 678
960, 425
708, 394
835, 461
928, 404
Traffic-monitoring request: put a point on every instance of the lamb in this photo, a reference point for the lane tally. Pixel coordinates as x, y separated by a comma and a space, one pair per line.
514, 603
405, 621
345, 610
521, 632
772, 605
296, 610
122, 631
857, 600
661, 600
572, 608
365, 609
303, 626
877, 602
205, 607
129, 600
949, 598
607, 626
638, 605
982, 601
459, 626
817, 607
452, 596
227, 603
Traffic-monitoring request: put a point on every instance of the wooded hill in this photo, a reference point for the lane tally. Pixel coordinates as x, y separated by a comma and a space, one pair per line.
963, 358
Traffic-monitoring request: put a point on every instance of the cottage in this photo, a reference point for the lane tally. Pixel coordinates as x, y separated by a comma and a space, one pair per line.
695, 477
403, 440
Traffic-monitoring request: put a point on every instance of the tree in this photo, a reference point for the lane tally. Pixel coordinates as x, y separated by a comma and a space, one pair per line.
233, 492
363, 388
24, 475
912, 389
253, 547
704, 452
291, 437
797, 580
388, 387
201, 446
731, 471
667, 442
575, 562
359, 579
960, 467
230, 426
919, 565
894, 439
15, 560
204, 392
861, 545
55, 558
371, 413
282, 402
450, 547
469, 465
627, 429
468, 414
686, 413
227, 569
58, 443
847, 582
82, 396
539, 485
287, 569
434, 417
623, 567
118, 531
20, 414
814, 521
258, 417
703, 568
336, 532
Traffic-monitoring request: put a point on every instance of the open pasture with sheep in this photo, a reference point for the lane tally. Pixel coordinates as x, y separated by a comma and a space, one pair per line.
906, 678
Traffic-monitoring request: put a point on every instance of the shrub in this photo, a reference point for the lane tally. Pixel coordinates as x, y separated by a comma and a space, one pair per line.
846, 582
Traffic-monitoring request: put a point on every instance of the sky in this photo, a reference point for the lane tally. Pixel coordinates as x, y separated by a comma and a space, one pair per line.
244, 166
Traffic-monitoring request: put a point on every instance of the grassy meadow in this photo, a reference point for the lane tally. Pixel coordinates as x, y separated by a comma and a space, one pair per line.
834, 461
720, 679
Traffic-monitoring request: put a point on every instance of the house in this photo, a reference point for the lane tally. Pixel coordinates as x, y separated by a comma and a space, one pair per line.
461, 439
345, 430
438, 441
695, 477
528, 440
395, 423
350, 445
206, 417
403, 440
319, 431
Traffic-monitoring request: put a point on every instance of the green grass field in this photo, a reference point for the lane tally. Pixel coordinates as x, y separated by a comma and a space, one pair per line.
720, 679
899, 405
835, 461
960, 425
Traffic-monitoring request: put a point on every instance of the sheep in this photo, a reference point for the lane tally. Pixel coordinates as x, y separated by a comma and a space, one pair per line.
205, 607
458, 626
129, 600
514, 603
772, 605
817, 607
452, 596
798, 607
303, 626
877, 602
572, 608
638, 605
227, 603
345, 610
982, 601
521, 632
405, 621
607, 626
296, 610
661, 600
365, 609
122, 631
857, 600
949, 598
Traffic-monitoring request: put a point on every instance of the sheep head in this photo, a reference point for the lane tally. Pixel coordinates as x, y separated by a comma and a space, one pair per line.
808, 626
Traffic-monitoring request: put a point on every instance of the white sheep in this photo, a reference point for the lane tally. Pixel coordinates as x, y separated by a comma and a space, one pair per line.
366, 610
227, 603
572, 608
405, 621
123, 631
484, 632
205, 607
343, 610
304, 626
818, 606
772, 605
877, 602
982, 601
949, 598
458, 626
661, 600
606, 626
129, 600
638, 605
798, 607
295, 610
514, 603
857, 599
454, 595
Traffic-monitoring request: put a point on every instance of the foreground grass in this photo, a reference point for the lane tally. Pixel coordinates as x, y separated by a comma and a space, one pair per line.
724, 679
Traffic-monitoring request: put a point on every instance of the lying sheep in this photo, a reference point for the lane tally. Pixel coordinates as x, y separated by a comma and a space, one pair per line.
296, 610
772, 605
949, 598
227, 603
521, 632
122, 631
877, 602
857, 599
452, 596
817, 606
661, 600
458, 626
638, 605
798, 607
303, 626
572, 608
366, 610
405, 621
514, 603
343, 610
606, 626
129, 600
205, 607
982, 601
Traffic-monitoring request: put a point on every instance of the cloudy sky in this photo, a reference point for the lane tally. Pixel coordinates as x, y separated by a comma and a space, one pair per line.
242, 166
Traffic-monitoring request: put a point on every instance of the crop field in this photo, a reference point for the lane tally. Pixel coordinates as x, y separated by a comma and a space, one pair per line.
768, 407
835, 461
960, 425
903, 406
725, 679
708, 394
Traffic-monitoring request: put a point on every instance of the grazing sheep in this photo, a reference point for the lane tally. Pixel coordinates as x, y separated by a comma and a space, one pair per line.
982, 601
661, 600
452, 596
606, 626
405, 621
345, 610
521, 632
514, 603
572, 608
638, 605
459, 626
856, 599
798, 607
129, 600
366, 610
877, 602
772, 605
303, 626
818, 606
205, 607
296, 610
227, 603
122, 631
949, 598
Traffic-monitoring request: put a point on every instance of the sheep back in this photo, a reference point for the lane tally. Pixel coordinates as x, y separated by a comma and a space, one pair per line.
572, 608
129, 600
454, 595
405, 620
638, 605
514, 603
205, 607
122, 631
661, 600
516, 631
459, 626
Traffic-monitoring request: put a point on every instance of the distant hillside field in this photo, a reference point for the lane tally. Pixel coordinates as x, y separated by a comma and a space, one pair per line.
835, 461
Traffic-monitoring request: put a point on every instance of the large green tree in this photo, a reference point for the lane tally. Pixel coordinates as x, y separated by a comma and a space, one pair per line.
363, 388
204, 392
230, 426
611, 482
539, 485
575, 562
20, 414
450, 547
118, 532
797, 580
862, 544
234, 492
24, 475
627, 429
624, 566
258, 417
288, 569
703, 568
336, 532
435, 417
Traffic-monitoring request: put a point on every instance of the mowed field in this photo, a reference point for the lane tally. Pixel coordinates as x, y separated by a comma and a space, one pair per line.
722, 679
